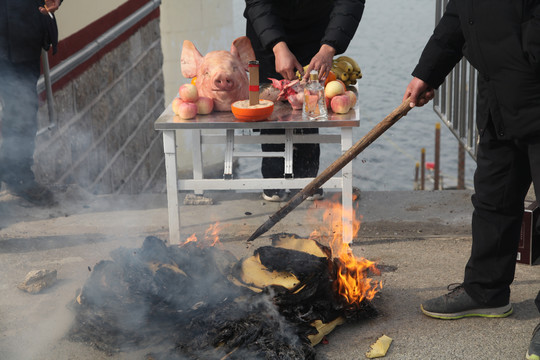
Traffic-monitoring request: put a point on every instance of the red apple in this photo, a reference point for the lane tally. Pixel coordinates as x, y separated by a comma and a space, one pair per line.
176, 104
352, 97
334, 88
187, 110
205, 105
340, 104
188, 92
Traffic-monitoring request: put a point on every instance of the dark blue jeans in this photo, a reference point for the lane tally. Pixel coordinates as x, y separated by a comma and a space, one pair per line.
19, 120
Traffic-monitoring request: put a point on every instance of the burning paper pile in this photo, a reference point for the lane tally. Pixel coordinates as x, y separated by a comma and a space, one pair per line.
201, 302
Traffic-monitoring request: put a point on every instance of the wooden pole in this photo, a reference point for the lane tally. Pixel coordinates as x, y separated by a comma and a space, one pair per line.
461, 167
416, 171
337, 165
423, 169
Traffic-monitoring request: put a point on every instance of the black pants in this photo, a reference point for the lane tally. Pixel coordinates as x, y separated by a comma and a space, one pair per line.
505, 169
305, 157
19, 120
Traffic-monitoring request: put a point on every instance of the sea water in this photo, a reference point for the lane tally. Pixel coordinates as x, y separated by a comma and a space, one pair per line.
387, 45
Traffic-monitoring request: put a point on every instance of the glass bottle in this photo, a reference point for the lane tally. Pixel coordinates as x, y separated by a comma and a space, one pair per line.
314, 103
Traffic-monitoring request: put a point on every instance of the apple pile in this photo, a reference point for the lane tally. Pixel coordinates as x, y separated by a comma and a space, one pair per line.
338, 98
188, 103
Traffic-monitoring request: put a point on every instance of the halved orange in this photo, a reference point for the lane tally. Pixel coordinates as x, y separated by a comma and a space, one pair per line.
245, 112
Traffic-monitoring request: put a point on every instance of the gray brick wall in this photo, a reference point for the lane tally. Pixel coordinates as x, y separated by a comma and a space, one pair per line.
104, 138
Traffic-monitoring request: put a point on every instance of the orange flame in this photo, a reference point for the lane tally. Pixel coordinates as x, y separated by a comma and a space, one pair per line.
211, 237
352, 282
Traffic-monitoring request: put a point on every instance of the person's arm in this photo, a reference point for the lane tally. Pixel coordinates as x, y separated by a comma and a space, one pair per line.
322, 62
267, 26
443, 50
271, 34
441, 53
344, 20
50, 6
531, 35
419, 91
286, 63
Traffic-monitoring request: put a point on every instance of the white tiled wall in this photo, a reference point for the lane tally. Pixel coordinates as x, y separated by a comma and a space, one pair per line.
210, 25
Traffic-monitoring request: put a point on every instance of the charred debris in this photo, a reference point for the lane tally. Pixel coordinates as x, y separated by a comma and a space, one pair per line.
204, 303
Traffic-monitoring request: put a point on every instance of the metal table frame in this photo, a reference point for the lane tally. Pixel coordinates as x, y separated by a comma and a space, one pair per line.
282, 118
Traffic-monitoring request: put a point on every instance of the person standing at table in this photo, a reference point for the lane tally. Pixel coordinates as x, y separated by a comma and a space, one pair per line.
501, 39
26, 26
286, 35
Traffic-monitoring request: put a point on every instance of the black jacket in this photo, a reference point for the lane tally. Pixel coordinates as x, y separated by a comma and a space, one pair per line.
24, 31
303, 24
501, 39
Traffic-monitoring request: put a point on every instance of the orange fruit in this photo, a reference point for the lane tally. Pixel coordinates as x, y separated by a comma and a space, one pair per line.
331, 77
194, 80
243, 111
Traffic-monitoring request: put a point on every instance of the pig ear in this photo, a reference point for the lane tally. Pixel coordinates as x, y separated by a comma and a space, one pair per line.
190, 59
242, 48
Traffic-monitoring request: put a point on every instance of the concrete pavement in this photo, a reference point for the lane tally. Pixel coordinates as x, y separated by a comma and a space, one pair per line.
422, 238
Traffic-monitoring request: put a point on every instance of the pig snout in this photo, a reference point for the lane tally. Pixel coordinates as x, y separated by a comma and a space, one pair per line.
224, 82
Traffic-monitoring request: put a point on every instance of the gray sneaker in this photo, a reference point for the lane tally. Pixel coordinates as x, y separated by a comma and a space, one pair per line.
458, 304
534, 348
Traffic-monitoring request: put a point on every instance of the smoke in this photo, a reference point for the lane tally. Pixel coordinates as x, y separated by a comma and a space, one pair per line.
32, 341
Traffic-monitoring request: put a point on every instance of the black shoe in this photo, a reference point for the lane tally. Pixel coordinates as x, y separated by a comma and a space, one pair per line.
534, 348
458, 304
33, 192
274, 195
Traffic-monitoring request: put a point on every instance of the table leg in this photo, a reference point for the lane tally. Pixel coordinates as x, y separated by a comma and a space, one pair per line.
346, 197
288, 153
197, 157
229, 150
169, 146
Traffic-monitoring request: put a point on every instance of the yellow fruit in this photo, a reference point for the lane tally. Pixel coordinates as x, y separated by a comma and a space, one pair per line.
350, 61
355, 75
344, 77
337, 71
345, 66
298, 75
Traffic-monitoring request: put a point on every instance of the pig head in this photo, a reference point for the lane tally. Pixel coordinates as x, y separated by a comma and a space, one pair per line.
221, 75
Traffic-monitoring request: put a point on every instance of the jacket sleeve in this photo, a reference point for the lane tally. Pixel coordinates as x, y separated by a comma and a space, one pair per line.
443, 50
267, 26
531, 34
344, 20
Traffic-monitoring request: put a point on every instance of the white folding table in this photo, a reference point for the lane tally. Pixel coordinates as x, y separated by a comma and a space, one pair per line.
239, 132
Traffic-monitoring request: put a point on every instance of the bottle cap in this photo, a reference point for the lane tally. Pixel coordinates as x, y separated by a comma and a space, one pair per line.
313, 75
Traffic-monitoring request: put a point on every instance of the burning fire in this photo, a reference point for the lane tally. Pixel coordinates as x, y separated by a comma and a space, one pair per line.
352, 281
211, 237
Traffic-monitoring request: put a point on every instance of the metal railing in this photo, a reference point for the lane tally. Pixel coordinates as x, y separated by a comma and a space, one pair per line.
455, 101
49, 76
